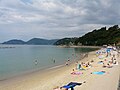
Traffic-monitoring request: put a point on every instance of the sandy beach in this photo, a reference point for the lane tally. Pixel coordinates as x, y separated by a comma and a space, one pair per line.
73, 46
62, 76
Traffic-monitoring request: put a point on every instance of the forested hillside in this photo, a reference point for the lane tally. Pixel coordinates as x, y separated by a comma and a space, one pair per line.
98, 37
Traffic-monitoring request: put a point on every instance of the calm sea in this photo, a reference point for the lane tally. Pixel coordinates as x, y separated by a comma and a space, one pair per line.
19, 59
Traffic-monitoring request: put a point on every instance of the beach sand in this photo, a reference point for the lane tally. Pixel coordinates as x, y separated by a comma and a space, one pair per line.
61, 76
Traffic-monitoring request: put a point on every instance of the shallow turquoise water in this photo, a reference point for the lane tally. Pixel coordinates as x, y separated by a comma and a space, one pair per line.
21, 58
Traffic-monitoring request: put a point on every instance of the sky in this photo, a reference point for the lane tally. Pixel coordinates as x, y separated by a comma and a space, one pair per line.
51, 19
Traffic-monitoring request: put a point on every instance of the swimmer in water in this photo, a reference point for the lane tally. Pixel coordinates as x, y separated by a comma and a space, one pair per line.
36, 62
54, 61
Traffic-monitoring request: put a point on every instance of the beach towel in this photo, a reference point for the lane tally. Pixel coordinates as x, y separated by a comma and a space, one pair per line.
83, 68
108, 50
101, 56
71, 85
76, 73
99, 72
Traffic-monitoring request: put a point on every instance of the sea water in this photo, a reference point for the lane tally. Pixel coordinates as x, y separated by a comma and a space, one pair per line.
19, 59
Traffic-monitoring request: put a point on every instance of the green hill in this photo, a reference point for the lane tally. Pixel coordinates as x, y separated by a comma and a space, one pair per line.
98, 37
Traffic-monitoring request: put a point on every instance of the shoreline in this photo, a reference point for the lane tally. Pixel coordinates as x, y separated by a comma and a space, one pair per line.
21, 77
12, 75
64, 46
61, 76
45, 69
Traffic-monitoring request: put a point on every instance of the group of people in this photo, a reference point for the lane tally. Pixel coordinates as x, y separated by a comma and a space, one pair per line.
108, 55
82, 65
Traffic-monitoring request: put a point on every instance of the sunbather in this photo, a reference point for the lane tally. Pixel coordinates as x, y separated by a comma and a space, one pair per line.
109, 65
104, 66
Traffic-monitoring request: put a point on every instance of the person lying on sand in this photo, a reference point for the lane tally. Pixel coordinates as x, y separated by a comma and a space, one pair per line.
92, 61
88, 65
109, 65
71, 85
104, 66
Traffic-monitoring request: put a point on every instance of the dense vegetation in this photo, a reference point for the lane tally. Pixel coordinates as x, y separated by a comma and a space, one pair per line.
98, 37
66, 41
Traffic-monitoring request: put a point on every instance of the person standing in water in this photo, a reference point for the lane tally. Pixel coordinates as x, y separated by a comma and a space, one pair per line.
54, 61
36, 62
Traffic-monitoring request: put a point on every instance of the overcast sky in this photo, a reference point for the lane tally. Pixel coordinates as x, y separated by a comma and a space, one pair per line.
49, 19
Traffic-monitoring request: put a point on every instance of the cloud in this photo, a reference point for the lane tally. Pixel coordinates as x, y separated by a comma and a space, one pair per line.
55, 18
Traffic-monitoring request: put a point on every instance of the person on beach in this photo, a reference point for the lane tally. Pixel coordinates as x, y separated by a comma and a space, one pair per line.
92, 61
73, 71
88, 65
66, 63
78, 66
109, 65
104, 66
115, 62
76, 72
68, 59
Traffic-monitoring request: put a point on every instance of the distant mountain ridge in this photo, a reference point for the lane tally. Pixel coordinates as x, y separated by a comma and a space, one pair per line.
14, 41
39, 41
97, 37
33, 41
